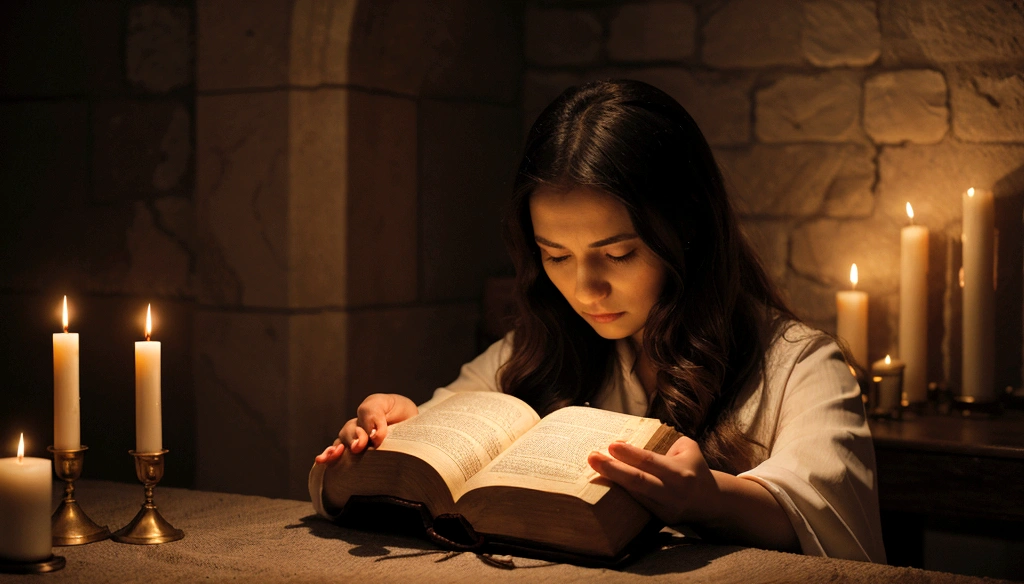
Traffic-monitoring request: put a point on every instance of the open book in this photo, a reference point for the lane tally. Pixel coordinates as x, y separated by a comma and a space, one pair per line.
487, 457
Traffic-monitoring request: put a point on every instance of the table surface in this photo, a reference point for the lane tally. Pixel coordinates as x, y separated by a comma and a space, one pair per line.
999, 436
239, 537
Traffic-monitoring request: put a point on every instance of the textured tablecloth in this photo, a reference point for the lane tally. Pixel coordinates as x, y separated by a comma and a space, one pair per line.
245, 538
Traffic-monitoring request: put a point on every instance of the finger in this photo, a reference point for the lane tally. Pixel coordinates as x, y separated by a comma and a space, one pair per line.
645, 460
330, 454
360, 441
372, 416
634, 480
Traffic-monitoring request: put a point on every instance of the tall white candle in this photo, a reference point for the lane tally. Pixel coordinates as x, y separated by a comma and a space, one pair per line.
913, 329
852, 319
148, 421
978, 296
25, 534
66, 413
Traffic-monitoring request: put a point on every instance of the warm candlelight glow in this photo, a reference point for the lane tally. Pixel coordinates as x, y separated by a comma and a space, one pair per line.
853, 275
64, 320
149, 321
962, 276
21, 448
910, 212
888, 360
970, 192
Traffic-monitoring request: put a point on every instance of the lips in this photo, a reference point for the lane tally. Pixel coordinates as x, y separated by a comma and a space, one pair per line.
604, 318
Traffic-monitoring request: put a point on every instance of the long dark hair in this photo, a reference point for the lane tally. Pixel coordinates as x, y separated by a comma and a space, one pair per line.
718, 312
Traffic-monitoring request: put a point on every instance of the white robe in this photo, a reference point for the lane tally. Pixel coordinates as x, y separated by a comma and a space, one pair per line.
820, 461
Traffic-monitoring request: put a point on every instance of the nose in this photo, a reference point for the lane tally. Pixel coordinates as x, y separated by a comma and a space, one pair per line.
591, 284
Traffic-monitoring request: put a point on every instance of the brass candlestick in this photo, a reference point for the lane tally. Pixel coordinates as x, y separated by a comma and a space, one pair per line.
148, 527
70, 525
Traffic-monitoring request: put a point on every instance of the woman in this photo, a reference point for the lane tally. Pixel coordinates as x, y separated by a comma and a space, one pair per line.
636, 292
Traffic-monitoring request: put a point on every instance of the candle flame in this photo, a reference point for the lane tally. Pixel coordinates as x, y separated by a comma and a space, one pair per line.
888, 360
21, 448
910, 212
962, 277
64, 319
853, 275
970, 192
149, 321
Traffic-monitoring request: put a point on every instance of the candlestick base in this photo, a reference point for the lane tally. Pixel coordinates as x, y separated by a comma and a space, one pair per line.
70, 525
50, 564
148, 527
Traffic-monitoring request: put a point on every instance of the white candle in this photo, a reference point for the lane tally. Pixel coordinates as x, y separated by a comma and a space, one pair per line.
852, 319
148, 422
66, 415
913, 329
888, 374
25, 534
978, 296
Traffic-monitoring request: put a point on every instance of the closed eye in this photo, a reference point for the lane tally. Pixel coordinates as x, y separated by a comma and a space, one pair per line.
556, 259
622, 258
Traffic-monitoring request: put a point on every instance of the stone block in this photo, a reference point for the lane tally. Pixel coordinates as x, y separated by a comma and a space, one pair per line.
753, 33
55, 49
467, 164
142, 149
934, 178
988, 104
906, 106
652, 31
382, 238
719, 103
318, 162
160, 248
824, 249
770, 241
411, 350
242, 198
951, 31
799, 180
562, 37
802, 108
840, 33
242, 44
812, 301
158, 47
320, 42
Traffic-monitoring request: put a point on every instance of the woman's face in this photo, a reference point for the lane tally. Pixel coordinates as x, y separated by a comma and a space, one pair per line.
593, 255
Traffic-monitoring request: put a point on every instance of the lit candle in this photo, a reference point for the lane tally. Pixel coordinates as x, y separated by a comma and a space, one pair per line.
852, 319
66, 416
978, 296
914, 308
148, 423
887, 374
25, 534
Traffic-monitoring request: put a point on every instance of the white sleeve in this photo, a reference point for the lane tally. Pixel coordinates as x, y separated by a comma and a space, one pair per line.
480, 374
821, 465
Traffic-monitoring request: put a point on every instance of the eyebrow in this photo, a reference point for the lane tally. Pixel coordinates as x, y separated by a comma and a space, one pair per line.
598, 243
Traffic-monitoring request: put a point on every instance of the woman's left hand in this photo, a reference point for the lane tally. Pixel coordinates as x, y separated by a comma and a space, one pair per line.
676, 486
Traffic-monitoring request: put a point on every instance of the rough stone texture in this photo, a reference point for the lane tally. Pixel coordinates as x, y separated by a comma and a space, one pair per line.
837, 33
318, 163
320, 42
823, 250
934, 178
61, 49
906, 106
753, 33
798, 180
158, 47
799, 108
242, 44
141, 149
988, 104
242, 198
952, 31
562, 37
652, 31
467, 161
813, 302
719, 103
161, 248
770, 240
382, 200
430, 342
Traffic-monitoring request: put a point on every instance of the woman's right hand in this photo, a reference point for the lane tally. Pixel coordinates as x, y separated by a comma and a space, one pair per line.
370, 426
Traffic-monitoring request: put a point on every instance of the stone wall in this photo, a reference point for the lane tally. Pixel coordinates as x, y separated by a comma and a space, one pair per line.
827, 116
97, 172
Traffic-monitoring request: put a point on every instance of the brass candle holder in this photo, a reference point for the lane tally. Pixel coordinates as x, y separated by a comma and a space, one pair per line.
148, 527
70, 525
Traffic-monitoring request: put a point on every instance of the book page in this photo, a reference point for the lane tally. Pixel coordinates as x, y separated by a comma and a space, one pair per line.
552, 456
463, 433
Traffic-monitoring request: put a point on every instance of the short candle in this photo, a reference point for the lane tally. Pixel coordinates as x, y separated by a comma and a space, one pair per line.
852, 319
25, 534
